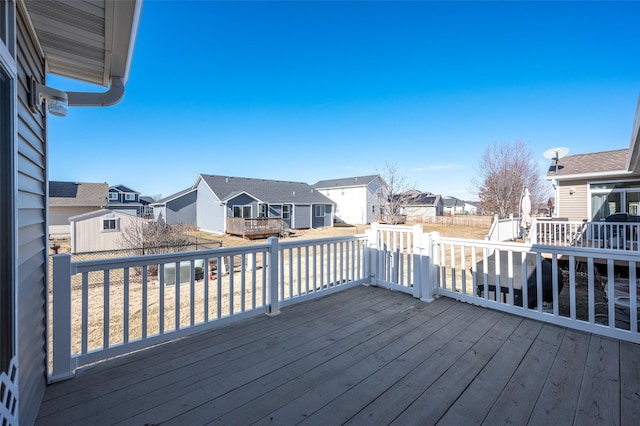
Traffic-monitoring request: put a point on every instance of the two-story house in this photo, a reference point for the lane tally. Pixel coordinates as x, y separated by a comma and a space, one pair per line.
126, 200
359, 199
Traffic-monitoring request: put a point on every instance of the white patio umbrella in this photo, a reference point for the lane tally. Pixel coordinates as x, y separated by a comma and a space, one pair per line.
525, 208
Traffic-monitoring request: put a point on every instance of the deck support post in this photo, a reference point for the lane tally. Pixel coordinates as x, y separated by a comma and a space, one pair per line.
417, 267
372, 248
273, 303
63, 364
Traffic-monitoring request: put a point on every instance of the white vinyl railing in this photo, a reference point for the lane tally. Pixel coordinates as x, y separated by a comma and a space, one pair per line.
608, 235
475, 271
104, 308
504, 230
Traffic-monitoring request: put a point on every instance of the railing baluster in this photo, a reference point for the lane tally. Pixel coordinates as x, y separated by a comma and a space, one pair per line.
243, 281
85, 312
176, 290
192, 290
145, 304
232, 272
206, 271
161, 295
219, 263
125, 306
105, 307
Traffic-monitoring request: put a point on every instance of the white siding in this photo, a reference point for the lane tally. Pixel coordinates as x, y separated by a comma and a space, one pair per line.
89, 237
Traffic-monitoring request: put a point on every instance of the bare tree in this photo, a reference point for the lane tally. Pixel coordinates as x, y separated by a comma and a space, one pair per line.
155, 237
504, 171
399, 194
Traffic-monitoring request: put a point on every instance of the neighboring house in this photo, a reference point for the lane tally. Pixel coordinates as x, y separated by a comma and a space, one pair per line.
471, 207
91, 44
421, 206
67, 199
594, 185
129, 201
101, 230
452, 206
177, 208
212, 199
359, 200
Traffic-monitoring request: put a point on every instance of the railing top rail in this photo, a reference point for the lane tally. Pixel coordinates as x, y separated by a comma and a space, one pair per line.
325, 240
385, 227
599, 253
154, 259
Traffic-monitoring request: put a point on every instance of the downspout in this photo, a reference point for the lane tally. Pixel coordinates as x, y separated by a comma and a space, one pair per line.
99, 99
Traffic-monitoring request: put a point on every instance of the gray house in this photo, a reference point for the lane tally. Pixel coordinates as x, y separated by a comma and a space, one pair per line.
92, 44
177, 208
212, 199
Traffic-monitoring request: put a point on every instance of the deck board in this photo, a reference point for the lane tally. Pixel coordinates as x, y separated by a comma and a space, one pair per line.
363, 356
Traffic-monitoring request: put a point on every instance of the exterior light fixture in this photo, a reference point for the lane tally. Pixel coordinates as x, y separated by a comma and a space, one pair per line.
56, 100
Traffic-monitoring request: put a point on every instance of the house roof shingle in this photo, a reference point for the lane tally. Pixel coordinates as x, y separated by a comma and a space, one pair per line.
345, 182
78, 193
590, 163
265, 190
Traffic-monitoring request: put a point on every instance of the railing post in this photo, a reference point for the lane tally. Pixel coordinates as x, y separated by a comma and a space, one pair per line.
273, 303
63, 364
417, 269
372, 244
427, 266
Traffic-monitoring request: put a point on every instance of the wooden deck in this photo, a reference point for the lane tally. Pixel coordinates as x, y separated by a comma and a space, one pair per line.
363, 356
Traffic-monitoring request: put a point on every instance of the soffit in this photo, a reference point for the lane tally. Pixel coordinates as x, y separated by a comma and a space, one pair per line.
87, 40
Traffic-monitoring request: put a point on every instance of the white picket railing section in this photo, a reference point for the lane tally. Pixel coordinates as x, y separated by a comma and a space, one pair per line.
456, 260
504, 230
610, 235
105, 308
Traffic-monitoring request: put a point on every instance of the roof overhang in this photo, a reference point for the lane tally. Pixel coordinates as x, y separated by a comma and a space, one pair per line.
609, 174
90, 41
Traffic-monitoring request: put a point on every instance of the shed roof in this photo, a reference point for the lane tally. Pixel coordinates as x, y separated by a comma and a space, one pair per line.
172, 196
78, 193
268, 191
345, 182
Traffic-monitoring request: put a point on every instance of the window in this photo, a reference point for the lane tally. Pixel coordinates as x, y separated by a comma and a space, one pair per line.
130, 197
113, 196
321, 211
110, 224
286, 211
264, 210
610, 198
242, 211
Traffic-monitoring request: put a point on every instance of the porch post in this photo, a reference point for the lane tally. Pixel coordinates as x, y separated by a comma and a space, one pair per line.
273, 304
427, 281
63, 365
372, 245
417, 256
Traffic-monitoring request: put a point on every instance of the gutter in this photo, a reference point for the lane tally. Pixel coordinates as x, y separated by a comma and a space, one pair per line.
100, 99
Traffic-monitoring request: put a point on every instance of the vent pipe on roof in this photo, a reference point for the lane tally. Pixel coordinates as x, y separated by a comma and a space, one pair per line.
108, 98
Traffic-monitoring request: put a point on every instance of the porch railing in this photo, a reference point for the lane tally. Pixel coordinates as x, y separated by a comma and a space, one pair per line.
606, 304
608, 235
104, 308
257, 227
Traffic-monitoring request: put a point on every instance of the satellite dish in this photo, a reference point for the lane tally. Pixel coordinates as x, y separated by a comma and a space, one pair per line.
555, 153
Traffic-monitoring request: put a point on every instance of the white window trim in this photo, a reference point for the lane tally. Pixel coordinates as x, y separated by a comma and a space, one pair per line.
242, 207
129, 196
288, 208
113, 196
322, 209
106, 219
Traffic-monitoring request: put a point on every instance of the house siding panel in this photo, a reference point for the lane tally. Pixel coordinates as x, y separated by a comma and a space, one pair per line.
573, 206
31, 236
210, 215
182, 209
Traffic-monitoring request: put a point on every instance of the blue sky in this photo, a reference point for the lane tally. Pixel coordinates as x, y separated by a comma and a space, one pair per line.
306, 91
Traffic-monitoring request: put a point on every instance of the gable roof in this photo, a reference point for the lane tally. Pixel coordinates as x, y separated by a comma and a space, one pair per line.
451, 201
346, 182
268, 191
78, 193
173, 196
122, 188
102, 212
590, 164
